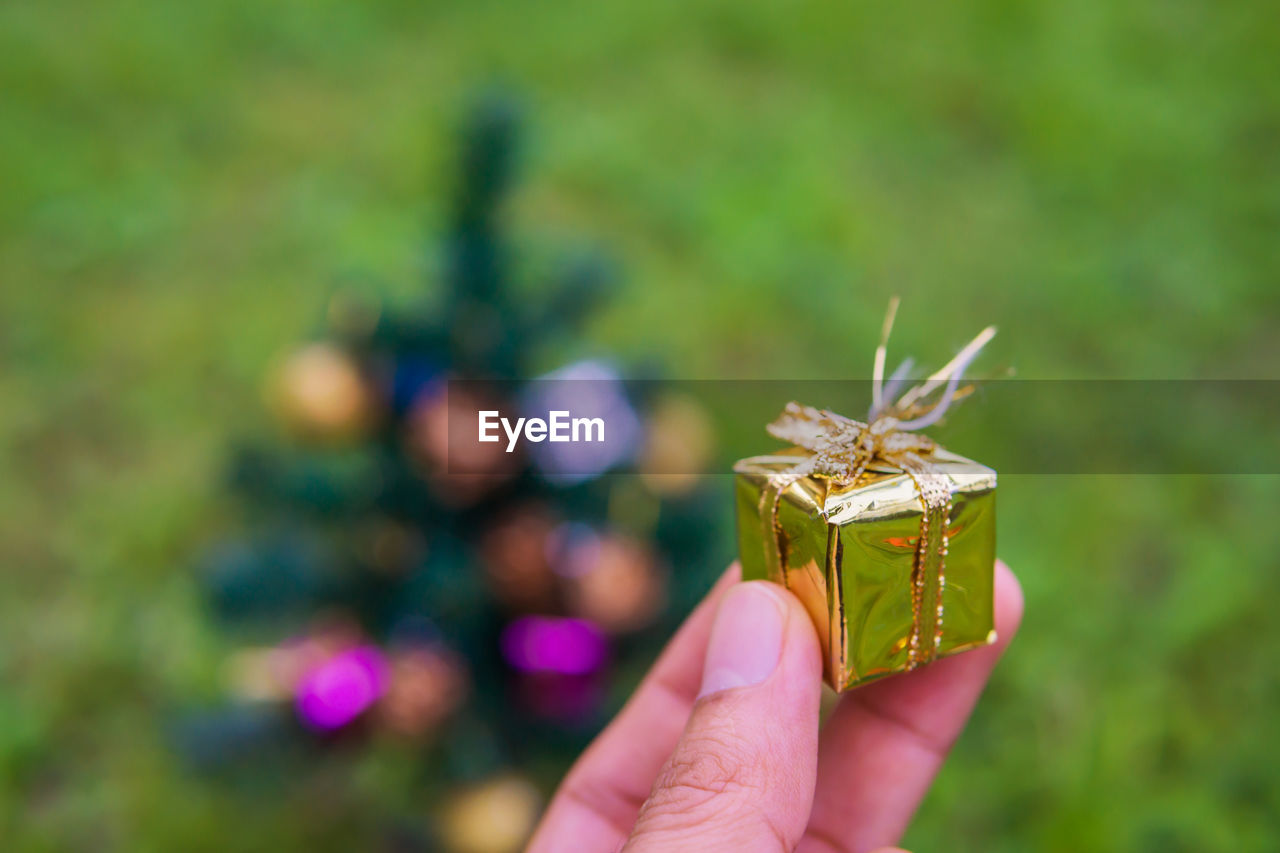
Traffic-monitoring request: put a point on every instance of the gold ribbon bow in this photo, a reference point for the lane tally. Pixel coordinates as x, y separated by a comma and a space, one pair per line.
841, 449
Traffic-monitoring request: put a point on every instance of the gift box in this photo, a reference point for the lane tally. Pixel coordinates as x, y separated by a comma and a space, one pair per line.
848, 553
886, 538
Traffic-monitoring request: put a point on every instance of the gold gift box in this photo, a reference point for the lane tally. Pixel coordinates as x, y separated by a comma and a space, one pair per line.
848, 552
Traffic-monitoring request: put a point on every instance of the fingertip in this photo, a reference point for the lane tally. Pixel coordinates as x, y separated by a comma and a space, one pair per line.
802, 635
760, 629
785, 599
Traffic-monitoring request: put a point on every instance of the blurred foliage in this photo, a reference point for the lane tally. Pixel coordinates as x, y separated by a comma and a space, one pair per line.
184, 184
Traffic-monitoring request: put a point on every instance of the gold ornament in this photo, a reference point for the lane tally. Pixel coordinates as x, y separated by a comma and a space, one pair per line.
321, 394
497, 816
678, 442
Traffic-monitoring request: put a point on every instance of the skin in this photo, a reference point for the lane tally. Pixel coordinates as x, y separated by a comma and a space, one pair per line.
704, 759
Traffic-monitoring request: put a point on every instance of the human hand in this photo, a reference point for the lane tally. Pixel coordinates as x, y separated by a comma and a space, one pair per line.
719, 748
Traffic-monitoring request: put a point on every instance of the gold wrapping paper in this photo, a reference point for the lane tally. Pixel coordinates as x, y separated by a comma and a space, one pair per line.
849, 553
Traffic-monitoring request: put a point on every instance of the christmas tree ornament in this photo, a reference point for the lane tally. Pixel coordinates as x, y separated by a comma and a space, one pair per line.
426, 685
554, 645
516, 557
886, 538
322, 395
441, 433
496, 816
559, 664
678, 444
613, 581
340, 689
589, 390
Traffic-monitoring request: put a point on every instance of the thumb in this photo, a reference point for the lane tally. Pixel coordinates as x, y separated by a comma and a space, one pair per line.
742, 776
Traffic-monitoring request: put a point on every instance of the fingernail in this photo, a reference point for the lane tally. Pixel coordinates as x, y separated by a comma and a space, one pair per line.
746, 639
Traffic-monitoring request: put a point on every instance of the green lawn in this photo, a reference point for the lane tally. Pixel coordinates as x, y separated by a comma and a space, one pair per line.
183, 185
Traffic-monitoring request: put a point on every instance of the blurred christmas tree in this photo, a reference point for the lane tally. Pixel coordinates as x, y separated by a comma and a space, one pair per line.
491, 619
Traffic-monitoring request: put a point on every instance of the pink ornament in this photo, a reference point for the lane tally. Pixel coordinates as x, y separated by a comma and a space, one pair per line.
341, 688
553, 645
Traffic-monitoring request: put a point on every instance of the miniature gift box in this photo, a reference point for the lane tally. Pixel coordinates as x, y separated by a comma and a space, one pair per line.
848, 552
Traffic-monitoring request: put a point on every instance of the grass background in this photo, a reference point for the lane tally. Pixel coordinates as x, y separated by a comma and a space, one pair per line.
182, 186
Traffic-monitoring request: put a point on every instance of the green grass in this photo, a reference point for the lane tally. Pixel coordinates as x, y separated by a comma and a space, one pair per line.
182, 186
